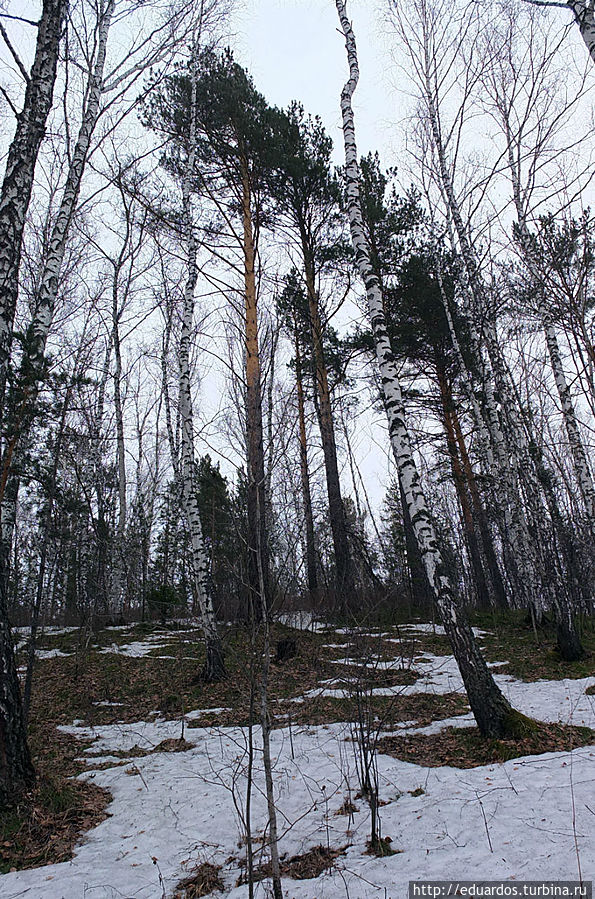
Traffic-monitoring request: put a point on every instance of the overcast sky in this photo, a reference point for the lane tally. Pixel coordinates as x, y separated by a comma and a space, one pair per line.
294, 51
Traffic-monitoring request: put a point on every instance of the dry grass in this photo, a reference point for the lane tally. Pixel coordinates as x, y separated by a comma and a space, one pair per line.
307, 866
204, 880
466, 748
47, 822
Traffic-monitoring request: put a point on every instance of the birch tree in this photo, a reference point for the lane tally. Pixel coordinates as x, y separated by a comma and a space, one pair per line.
583, 12
16, 769
492, 711
22, 157
521, 86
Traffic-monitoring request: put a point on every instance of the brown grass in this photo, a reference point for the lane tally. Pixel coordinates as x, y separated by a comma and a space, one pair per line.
466, 748
47, 821
307, 866
204, 880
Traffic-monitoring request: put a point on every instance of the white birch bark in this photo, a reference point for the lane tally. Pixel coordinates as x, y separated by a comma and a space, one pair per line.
214, 668
20, 165
17, 422
584, 14
48, 287
577, 448
520, 552
490, 708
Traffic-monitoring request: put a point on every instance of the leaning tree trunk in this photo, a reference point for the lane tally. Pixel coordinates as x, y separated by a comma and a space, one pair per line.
19, 410
16, 769
568, 637
482, 587
491, 709
577, 449
489, 551
22, 399
20, 165
214, 669
519, 549
579, 456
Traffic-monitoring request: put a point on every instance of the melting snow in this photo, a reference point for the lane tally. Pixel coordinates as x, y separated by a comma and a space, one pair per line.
513, 820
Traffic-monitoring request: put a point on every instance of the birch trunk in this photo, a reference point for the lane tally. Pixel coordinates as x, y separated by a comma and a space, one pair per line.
492, 711
48, 289
577, 449
16, 768
214, 669
520, 553
20, 165
584, 14
18, 418
119, 556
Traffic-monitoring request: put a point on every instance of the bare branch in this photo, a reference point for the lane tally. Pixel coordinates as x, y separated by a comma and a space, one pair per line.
14, 53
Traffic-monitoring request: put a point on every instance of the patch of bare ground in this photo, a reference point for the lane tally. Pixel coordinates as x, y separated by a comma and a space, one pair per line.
107, 688
204, 880
372, 676
381, 847
530, 654
48, 821
466, 748
391, 710
307, 866
347, 807
135, 752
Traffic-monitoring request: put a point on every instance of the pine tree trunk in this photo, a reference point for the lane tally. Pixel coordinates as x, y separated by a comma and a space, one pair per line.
345, 583
491, 709
311, 571
497, 583
258, 550
481, 585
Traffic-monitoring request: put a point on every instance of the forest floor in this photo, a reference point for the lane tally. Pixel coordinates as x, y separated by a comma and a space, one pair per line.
142, 772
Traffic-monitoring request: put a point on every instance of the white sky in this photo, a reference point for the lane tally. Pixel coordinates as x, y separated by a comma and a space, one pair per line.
295, 52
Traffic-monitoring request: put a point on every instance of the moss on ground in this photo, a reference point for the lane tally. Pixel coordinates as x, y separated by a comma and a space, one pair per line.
511, 640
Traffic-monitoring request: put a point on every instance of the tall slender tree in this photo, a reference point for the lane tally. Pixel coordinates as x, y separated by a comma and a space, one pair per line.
16, 769
492, 711
237, 136
308, 194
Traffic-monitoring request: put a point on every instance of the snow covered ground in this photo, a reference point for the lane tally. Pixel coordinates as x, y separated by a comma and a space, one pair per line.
526, 819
